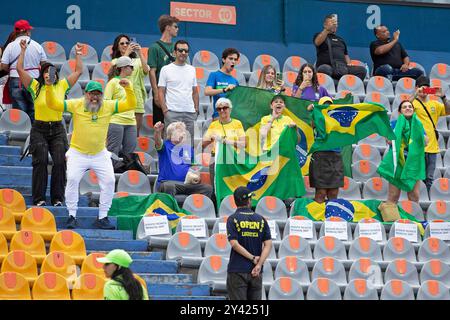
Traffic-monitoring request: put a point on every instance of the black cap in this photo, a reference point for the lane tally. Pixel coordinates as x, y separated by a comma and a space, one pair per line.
422, 81
242, 194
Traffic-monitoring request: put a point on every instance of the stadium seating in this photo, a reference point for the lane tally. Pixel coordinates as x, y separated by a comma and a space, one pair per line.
293, 267
440, 71
369, 220
433, 248
393, 232
359, 289
329, 268
75, 92
14, 286
227, 206
399, 248
31, 242
220, 225
88, 55
403, 270
379, 98
88, 287
405, 85
413, 208
365, 268
329, 222
295, 246
397, 290
329, 247
380, 85
202, 75
366, 152
184, 246
106, 53
350, 190
353, 84
435, 270
272, 208
101, 71
375, 188
91, 265
180, 226
3, 247
68, 67
263, 60
50, 286
440, 190
71, 243
433, 290
293, 63
243, 65
343, 93
287, 227
364, 247
240, 77
89, 183
200, 205
323, 289
147, 129
218, 245
134, 182
7, 223
16, 123
285, 288
438, 210
206, 59
213, 271
62, 264
327, 82
55, 52
39, 220
363, 170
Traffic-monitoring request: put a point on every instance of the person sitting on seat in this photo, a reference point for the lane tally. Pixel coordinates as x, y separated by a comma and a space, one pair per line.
175, 160
269, 80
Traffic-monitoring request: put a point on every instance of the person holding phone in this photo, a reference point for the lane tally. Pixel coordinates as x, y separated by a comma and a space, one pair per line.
47, 132
306, 86
270, 80
429, 111
124, 47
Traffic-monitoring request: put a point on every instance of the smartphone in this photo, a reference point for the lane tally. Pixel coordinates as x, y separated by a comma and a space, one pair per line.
52, 74
133, 40
430, 90
279, 76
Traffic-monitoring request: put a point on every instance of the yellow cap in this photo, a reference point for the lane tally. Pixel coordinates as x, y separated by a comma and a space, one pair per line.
325, 99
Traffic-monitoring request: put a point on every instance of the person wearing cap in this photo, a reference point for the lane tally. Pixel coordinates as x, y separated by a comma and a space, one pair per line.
224, 130
429, 111
251, 242
273, 125
326, 168
123, 47
90, 116
35, 55
47, 132
122, 126
122, 284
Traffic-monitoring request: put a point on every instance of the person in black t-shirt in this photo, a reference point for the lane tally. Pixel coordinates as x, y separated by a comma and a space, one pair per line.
338, 48
389, 58
250, 239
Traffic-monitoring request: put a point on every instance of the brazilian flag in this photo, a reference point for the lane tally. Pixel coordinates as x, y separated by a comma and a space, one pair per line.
409, 136
251, 104
130, 210
273, 173
339, 125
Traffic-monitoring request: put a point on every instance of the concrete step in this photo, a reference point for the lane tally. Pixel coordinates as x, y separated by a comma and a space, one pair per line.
82, 202
179, 290
15, 161
167, 278
83, 222
3, 139
104, 234
19, 180
108, 245
139, 255
154, 266
16, 170
81, 212
166, 297
10, 150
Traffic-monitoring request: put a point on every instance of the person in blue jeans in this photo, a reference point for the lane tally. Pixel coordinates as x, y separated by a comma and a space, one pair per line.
390, 59
221, 81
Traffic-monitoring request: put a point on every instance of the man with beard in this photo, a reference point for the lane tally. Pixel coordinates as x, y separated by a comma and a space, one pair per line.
91, 116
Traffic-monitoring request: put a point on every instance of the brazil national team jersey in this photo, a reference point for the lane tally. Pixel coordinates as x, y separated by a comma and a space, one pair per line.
250, 230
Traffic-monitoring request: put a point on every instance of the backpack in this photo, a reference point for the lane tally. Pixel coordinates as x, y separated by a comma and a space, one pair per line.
129, 162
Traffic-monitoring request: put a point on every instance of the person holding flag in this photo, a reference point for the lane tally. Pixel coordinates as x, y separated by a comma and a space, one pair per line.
404, 164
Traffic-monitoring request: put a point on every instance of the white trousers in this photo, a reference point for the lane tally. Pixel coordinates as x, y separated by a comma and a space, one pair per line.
77, 164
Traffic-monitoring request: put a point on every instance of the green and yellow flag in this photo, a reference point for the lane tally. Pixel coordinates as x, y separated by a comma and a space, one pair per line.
251, 104
130, 210
339, 125
410, 138
273, 173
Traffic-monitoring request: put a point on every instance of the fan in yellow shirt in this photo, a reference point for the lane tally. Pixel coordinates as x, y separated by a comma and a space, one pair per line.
91, 116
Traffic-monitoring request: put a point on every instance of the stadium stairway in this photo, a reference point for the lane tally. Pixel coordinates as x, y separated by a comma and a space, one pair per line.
164, 282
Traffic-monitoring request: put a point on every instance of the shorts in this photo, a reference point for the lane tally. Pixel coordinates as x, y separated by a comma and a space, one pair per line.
326, 170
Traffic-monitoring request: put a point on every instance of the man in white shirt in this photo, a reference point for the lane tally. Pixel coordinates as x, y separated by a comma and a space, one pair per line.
177, 88
35, 55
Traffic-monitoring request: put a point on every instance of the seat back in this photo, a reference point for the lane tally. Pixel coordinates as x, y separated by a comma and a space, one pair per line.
329, 222
363, 170
148, 127
227, 206
271, 207
3, 247
364, 247
263, 60
75, 92
397, 290
433, 290
50, 286
62, 264
13, 200
68, 68
440, 190
405, 85
71, 243
21, 262
359, 289
380, 84
365, 268
379, 98
329, 268
330, 247
293, 267
369, 220
202, 75
287, 227
88, 54
183, 244
285, 288
293, 245
212, 269
15, 120
101, 71
239, 76
351, 83
323, 289
88, 286
293, 63
91, 265
327, 82
7, 223
14, 286
254, 77
350, 190
435, 269
413, 208
134, 181
440, 71
29, 241
206, 59
89, 183
40, 220
220, 225
433, 248
180, 225
374, 140
218, 245
403, 270
399, 248
365, 151
243, 63
375, 188
392, 232
106, 53
54, 51
200, 205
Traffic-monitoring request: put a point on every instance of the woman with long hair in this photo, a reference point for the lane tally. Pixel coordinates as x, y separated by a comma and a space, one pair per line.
123, 46
307, 86
268, 81
122, 284
47, 132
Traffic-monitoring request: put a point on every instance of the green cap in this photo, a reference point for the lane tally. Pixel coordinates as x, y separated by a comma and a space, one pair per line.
117, 256
94, 86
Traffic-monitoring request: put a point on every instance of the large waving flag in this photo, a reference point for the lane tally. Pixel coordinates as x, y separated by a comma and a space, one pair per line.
407, 171
130, 210
339, 125
274, 173
251, 104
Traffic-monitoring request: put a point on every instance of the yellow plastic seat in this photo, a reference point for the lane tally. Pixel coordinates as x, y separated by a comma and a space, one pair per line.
21, 262
91, 265
88, 286
3, 247
50, 286
7, 223
62, 264
71, 243
30, 242
40, 220
14, 201
14, 286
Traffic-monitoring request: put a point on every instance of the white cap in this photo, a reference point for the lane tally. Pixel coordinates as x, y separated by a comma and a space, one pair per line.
123, 62
224, 101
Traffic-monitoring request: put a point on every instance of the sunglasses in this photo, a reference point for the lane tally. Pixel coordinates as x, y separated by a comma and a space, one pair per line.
222, 109
183, 50
124, 43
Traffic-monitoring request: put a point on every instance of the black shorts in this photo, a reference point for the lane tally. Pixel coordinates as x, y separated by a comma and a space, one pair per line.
326, 170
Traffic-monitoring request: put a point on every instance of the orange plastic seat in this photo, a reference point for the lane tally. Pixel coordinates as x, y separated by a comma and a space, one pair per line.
61, 263
7, 223
91, 265
71, 243
30, 242
14, 286
3, 247
21, 262
40, 220
14, 201
50, 286
88, 286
